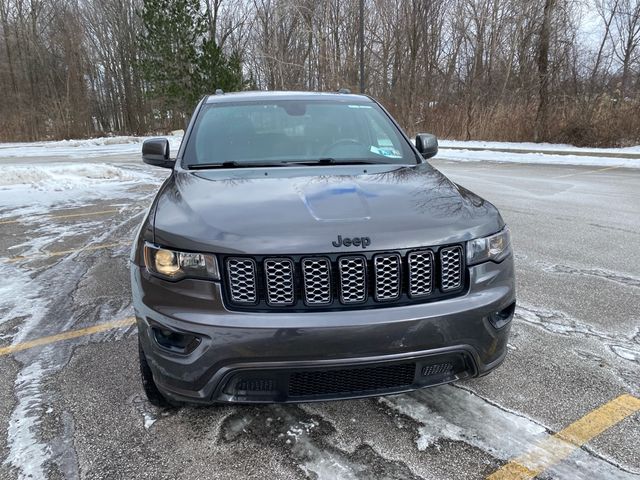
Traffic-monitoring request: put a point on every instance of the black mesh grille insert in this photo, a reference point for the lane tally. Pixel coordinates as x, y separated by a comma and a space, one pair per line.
352, 380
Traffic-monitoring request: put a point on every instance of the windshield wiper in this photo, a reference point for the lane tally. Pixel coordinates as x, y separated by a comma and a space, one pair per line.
232, 164
285, 163
346, 161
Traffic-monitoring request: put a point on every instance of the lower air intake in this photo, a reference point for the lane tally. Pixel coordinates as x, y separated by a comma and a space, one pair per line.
437, 369
352, 380
256, 385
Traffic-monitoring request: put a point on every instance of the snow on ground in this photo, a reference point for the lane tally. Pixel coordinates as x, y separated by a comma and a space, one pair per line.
454, 150
36, 187
92, 147
26, 452
456, 414
540, 158
22, 287
556, 147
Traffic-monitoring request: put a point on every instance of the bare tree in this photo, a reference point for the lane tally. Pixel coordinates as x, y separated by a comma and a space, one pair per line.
627, 38
493, 69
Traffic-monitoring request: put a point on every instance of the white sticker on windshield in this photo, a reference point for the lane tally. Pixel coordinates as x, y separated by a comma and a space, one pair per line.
386, 152
359, 106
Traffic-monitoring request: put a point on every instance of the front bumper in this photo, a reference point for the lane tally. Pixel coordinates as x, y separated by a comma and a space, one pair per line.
267, 357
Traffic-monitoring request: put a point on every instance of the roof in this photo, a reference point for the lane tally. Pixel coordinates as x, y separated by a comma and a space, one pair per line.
278, 95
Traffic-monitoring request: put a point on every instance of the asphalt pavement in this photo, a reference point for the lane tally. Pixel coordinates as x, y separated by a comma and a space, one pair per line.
71, 404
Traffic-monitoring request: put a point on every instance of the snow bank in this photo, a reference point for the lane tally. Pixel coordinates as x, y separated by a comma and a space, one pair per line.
543, 158
451, 150
91, 147
556, 147
51, 183
65, 176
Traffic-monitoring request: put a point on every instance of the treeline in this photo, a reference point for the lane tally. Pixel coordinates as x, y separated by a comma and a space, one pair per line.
519, 70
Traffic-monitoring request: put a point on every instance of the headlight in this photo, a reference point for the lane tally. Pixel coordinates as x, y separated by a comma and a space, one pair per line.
174, 265
495, 247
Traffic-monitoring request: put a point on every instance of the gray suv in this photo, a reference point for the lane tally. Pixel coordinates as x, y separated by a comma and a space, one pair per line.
303, 249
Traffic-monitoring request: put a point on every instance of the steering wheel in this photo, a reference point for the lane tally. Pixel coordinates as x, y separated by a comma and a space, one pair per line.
342, 141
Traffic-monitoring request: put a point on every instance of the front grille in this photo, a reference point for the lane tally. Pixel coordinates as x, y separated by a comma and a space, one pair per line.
371, 279
351, 380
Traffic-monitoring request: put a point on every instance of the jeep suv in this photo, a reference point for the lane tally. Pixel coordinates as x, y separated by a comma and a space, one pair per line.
303, 249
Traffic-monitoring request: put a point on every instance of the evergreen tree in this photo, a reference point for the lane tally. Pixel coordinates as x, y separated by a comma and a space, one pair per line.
180, 63
215, 70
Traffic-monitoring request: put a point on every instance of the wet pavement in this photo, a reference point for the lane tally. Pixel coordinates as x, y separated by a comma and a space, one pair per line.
75, 408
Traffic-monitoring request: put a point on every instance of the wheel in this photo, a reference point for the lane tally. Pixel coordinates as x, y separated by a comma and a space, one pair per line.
149, 385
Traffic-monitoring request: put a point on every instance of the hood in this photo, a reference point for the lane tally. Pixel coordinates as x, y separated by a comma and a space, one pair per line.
300, 210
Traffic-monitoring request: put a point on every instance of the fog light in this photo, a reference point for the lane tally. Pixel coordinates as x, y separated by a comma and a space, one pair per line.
504, 316
174, 341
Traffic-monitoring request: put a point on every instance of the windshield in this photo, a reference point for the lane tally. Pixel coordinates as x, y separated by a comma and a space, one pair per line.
295, 131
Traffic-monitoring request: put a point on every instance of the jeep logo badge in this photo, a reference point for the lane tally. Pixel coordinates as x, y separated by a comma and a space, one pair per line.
363, 242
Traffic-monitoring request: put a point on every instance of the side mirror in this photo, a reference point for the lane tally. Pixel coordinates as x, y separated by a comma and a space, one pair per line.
427, 144
155, 151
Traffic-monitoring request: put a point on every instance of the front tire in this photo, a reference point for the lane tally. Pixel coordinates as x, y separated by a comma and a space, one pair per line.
148, 384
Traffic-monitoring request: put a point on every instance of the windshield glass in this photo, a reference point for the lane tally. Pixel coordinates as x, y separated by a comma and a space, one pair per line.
297, 131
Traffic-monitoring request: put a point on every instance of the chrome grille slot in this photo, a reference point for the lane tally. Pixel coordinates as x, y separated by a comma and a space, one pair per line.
420, 273
316, 273
451, 268
278, 274
242, 280
353, 279
387, 276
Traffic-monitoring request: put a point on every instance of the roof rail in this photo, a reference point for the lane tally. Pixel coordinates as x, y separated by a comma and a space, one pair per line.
219, 91
344, 90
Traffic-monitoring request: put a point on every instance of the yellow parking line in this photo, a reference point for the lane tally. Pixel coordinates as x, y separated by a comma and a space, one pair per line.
65, 252
126, 322
556, 448
68, 215
587, 172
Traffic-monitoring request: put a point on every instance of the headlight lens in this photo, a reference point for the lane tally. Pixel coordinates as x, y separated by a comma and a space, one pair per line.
494, 248
175, 265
